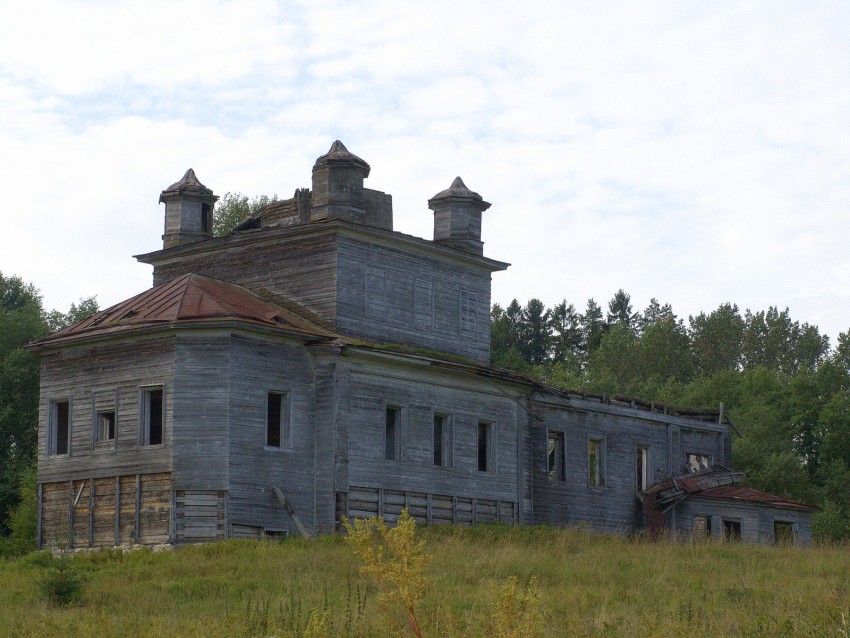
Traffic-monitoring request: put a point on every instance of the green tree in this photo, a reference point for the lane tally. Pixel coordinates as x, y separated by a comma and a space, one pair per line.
716, 339
620, 310
535, 332
21, 321
592, 328
615, 366
565, 328
234, 208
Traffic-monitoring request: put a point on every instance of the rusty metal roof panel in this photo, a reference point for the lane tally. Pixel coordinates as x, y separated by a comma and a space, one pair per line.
751, 495
189, 298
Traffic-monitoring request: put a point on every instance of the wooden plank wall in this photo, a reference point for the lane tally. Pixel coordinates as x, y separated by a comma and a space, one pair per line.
420, 393
394, 295
427, 508
299, 265
256, 368
94, 518
614, 506
106, 377
199, 515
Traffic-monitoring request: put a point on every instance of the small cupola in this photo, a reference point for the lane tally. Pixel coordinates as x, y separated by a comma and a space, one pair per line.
188, 211
338, 185
457, 217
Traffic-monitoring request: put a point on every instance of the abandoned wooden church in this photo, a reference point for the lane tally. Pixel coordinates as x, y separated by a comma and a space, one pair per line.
316, 363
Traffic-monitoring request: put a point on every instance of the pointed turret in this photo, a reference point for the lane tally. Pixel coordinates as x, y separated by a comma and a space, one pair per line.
338, 185
457, 217
188, 211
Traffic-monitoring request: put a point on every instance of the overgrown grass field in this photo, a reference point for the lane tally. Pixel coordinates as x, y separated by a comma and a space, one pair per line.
587, 584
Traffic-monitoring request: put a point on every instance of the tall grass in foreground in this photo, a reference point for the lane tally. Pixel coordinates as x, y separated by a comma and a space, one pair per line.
587, 585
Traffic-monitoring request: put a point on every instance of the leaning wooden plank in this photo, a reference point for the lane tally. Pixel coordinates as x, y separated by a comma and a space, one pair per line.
289, 510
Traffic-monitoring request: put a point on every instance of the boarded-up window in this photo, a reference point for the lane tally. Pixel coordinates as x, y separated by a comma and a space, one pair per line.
468, 313
596, 462
277, 419
375, 294
555, 457
783, 532
391, 433
423, 303
697, 462
702, 527
152, 416
59, 432
485, 447
442, 440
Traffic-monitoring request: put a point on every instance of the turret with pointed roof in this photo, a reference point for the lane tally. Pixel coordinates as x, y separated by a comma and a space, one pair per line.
188, 211
457, 217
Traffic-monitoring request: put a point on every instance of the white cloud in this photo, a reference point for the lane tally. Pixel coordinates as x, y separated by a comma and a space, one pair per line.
693, 152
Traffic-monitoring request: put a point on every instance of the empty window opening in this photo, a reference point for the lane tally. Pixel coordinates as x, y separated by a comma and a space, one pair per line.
60, 427
731, 531
783, 532
485, 447
206, 219
702, 527
152, 416
697, 462
555, 457
391, 426
277, 419
596, 462
442, 440
642, 469
105, 426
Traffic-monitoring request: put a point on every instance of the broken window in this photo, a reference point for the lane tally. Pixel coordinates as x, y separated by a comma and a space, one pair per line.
642, 479
391, 428
697, 462
596, 462
555, 457
783, 532
277, 419
152, 419
59, 433
105, 426
702, 527
731, 530
485, 446
442, 440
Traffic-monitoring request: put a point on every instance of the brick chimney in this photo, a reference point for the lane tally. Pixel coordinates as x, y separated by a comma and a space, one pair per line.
457, 217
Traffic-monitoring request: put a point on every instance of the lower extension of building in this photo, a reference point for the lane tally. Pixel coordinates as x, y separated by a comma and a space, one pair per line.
315, 364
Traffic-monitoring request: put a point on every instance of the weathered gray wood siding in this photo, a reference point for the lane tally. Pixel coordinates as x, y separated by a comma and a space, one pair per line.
390, 294
613, 506
201, 401
298, 265
420, 393
101, 378
107, 492
258, 367
757, 521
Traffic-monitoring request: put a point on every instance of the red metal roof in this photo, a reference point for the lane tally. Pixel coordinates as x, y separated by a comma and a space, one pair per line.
188, 298
750, 494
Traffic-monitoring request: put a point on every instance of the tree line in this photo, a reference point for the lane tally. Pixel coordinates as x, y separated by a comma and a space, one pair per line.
783, 386
23, 319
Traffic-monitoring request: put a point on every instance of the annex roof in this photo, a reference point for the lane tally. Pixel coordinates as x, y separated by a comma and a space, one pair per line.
190, 298
750, 495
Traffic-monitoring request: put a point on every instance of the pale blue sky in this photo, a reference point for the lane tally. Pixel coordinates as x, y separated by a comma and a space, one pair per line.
695, 152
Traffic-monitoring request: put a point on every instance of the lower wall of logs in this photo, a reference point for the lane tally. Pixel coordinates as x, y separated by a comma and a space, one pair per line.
103, 512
